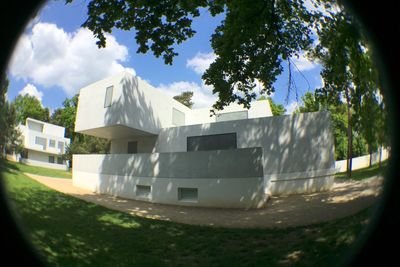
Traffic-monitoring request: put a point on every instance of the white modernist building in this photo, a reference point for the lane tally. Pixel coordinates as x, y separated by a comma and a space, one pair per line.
163, 152
44, 144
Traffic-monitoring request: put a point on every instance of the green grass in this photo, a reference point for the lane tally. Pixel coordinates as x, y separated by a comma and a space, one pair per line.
34, 169
70, 232
364, 173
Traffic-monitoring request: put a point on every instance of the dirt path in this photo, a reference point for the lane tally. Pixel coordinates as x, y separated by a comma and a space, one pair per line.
346, 198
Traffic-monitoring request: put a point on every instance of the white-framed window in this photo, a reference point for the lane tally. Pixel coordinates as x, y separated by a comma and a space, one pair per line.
108, 96
178, 117
230, 116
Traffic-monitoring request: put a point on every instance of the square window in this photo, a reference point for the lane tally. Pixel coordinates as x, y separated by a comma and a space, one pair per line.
51, 159
132, 147
187, 194
143, 191
108, 97
59, 160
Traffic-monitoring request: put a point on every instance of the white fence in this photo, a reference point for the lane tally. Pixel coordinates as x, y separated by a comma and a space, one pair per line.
361, 162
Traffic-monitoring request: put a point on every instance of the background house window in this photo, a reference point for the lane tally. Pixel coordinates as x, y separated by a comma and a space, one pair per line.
230, 116
108, 98
41, 142
52, 143
61, 146
178, 117
132, 147
51, 159
212, 142
59, 160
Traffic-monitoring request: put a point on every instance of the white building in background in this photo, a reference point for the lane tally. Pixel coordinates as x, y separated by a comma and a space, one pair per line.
44, 144
163, 152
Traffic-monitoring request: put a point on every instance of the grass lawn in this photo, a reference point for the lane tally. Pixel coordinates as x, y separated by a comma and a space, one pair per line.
70, 232
364, 173
34, 169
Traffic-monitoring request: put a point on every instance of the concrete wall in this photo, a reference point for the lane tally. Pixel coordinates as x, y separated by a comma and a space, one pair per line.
224, 178
300, 143
146, 144
258, 109
298, 150
361, 162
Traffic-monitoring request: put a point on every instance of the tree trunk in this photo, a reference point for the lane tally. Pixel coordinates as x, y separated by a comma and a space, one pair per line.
370, 155
349, 136
380, 156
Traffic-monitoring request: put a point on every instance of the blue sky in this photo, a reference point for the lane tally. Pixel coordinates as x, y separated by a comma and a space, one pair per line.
55, 58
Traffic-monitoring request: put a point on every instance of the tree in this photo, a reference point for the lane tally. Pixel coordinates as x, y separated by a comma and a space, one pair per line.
310, 104
342, 53
252, 43
276, 109
65, 116
10, 136
185, 98
28, 106
339, 124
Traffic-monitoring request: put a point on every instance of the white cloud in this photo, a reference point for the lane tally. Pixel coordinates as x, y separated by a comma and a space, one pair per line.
200, 62
49, 56
31, 90
291, 107
303, 63
202, 94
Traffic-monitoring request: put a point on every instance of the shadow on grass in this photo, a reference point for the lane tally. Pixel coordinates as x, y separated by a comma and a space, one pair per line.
71, 232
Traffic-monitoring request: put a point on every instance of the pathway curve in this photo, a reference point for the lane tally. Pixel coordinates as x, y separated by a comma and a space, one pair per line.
345, 198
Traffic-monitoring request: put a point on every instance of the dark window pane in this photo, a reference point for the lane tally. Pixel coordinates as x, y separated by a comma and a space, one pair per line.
212, 142
132, 147
187, 194
51, 159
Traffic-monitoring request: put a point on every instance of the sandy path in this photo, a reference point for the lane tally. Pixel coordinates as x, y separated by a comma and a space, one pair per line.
346, 198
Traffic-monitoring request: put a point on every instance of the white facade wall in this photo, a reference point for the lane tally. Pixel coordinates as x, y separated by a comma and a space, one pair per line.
297, 150
258, 109
224, 178
135, 104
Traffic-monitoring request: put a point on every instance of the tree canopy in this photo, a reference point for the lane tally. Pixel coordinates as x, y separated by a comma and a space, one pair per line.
251, 44
185, 98
10, 137
28, 106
